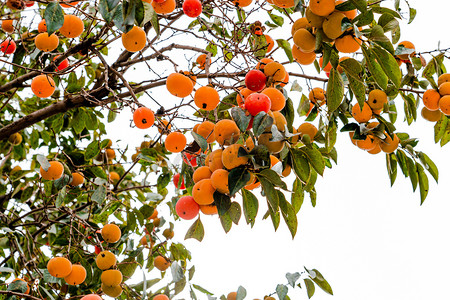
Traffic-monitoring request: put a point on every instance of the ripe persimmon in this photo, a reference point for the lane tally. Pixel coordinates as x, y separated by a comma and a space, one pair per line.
186, 208
203, 192
68, 4
301, 57
275, 70
214, 160
77, 179
43, 86
45, 42
230, 158
179, 85
111, 278
277, 99
219, 180
59, 267
309, 129
407, 45
161, 297
72, 27
8, 46
262, 63
201, 61
8, 26
112, 291
242, 3
165, 7
389, 144
206, 130
55, 171
135, 39
444, 105
143, 117
206, 98
201, 173
443, 78
348, 44
362, 115
113, 177
431, 115
304, 40
377, 99
273, 146
322, 7
175, 142
317, 96
161, 263
111, 233
210, 209
226, 132
77, 276
444, 89
332, 25
42, 26
28, 287
105, 260
300, 23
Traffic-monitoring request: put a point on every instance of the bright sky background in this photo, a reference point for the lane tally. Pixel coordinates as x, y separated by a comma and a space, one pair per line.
370, 241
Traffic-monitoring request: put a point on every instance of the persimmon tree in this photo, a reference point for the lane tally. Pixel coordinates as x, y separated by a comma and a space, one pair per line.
220, 84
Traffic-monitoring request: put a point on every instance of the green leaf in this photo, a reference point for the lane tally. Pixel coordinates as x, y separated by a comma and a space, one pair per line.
375, 68
361, 5
240, 118
270, 192
212, 47
288, 213
74, 84
423, 183
335, 90
388, 64
429, 166
310, 287
260, 122
196, 231
235, 212
226, 222
107, 9
99, 194
128, 266
282, 291
289, 114
298, 195
353, 69
292, 278
98, 172
286, 47
18, 286
237, 179
222, 202
92, 150
250, 206
391, 164
321, 282
440, 128
315, 159
139, 13
54, 17
200, 140
300, 164
241, 293
60, 198
274, 178
199, 288
152, 16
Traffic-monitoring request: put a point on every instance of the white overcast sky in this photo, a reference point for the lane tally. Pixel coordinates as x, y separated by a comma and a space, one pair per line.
370, 241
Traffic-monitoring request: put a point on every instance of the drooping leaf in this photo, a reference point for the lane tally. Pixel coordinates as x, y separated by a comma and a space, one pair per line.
54, 17
196, 231
335, 90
